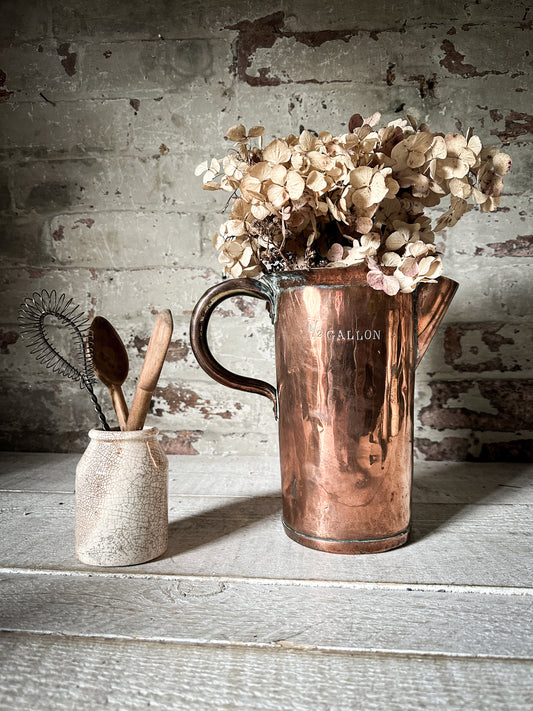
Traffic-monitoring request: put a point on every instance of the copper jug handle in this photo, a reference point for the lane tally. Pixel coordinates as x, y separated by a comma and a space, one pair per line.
198, 333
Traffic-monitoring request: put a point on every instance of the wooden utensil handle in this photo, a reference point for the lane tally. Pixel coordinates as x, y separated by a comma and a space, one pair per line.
119, 403
151, 370
139, 409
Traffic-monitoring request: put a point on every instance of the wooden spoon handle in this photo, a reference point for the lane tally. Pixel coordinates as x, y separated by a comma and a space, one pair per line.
151, 370
119, 403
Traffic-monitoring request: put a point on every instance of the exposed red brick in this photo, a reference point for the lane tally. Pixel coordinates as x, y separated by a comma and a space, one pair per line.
4, 93
35, 273
87, 221
180, 399
177, 350
488, 334
315, 39
494, 340
180, 442
263, 33
426, 85
69, 58
459, 449
455, 449
59, 234
516, 124
452, 343
453, 62
518, 450
512, 401
253, 35
522, 246
245, 307
7, 338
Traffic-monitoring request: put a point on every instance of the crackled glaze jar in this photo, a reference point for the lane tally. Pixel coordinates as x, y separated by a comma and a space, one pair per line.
121, 498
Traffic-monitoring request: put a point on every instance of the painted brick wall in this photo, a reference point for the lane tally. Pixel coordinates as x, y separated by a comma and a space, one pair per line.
106, 106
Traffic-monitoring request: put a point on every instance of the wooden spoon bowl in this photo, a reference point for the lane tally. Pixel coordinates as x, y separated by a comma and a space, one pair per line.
110, 363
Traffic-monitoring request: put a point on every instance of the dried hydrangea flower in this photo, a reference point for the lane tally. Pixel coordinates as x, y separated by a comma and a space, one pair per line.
316, 200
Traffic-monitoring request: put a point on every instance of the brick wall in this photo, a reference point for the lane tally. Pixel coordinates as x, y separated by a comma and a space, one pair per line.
106, 106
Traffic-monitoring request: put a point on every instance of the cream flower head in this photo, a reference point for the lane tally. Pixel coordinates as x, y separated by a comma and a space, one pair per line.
318, 200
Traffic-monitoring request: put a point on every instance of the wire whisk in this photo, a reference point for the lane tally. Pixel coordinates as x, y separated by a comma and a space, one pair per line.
35, 316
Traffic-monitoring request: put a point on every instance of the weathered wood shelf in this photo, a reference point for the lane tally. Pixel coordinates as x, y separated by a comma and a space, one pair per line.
237, 616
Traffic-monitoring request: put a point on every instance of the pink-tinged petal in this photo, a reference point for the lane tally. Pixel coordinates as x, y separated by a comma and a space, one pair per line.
381, 282
502, 163
409, 267
335, 252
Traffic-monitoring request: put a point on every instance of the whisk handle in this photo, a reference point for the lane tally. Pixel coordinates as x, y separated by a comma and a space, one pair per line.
96, 404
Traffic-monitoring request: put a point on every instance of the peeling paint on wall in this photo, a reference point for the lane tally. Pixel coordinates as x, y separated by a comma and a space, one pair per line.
181, 442
101, 131
264, 33
522, 246
483, 347
480, 405
516, 124
453, 62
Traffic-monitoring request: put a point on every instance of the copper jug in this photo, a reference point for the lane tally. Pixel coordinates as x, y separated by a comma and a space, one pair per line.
345, 361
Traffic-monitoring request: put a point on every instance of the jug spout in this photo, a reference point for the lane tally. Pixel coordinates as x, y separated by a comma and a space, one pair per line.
432, 302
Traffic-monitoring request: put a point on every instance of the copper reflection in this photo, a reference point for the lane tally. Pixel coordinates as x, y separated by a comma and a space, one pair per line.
345, 362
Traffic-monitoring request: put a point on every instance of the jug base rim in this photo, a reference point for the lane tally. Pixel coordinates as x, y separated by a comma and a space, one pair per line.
348, 546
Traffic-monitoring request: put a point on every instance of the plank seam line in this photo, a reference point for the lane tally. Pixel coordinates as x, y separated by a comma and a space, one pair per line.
297, 582
60, 492
275, 495
278, 645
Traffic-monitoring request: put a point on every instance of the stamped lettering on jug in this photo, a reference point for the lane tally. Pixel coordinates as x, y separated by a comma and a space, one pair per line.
343, 334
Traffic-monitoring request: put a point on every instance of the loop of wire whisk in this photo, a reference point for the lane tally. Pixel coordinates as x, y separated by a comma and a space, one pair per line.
35, 330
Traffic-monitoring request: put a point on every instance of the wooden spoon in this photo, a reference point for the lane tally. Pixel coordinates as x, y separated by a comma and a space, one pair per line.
151, 370
110, 363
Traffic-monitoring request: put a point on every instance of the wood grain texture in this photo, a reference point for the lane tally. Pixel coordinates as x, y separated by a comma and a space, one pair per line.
451, 544
123, 675
434, 482
153, 363
237, 616
309, 616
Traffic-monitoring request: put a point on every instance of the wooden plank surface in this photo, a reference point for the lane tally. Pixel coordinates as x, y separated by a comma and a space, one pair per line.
119, 674
451, 544
237, 616
238, 612
434, 482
